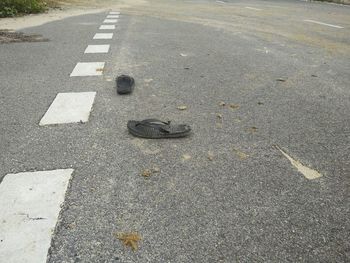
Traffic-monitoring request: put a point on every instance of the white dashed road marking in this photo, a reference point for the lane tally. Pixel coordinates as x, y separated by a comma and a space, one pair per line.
304, 170
220, 2
69, 108
107, 27
253, 8
321, 23
112, 16
83, 69
114, 13
97, 49
30, 203
103, 36
110, 21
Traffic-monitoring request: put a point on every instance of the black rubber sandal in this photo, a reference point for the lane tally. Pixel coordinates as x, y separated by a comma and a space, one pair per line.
156, 129
125, 84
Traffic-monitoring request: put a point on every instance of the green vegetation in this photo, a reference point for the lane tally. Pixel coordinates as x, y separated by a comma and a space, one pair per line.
16, 7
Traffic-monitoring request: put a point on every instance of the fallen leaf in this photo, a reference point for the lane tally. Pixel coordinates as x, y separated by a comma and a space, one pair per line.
281, 79
260, 103
210, 156
222, 103
240, 154
186, 157
182, 107
313, 75
219, 116
234, 106
129, 239
156, 169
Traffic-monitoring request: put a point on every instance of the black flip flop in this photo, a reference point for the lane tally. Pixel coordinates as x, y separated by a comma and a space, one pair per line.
125, 84
156, 129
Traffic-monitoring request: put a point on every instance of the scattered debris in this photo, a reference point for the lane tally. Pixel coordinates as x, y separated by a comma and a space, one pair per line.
219, 122
304, 170
149, 172
8, 36
71, 225
156, 169
222, 103
148, 80
253, 129
99, 69
186, 68
313, 75
182, 107
234, 106
210, 156
146, 173
186, 157
183, 55
282, 79
129, 239
260, 103
240, 154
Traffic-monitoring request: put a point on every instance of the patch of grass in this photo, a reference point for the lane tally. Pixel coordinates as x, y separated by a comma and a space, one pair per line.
16, 7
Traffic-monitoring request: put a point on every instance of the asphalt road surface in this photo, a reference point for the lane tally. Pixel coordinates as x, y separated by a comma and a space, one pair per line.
265, 174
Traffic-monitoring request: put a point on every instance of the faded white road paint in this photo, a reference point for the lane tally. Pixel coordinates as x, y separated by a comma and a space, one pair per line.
69, 108
321, 23
97, 49
253, 8
107, 27
304, 170
114, 12
221, 2
30, 203
83, 69
113, 16
103, 36
110, 21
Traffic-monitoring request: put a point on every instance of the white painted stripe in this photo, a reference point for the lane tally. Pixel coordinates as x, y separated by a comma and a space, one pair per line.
107, 27
88, 69
321, 23
220, 2
253, 8
69, 108
113, 16
110, 21
30, 203
103, 36
114, 13
83, 69
97, 49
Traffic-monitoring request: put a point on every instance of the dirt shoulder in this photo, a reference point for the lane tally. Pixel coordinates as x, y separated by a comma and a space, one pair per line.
67, 8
